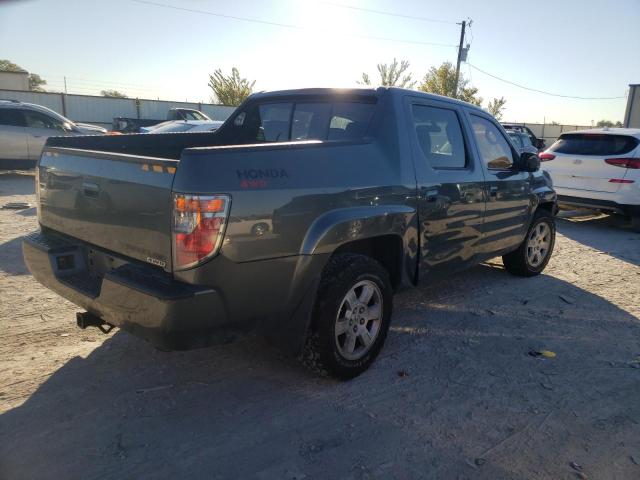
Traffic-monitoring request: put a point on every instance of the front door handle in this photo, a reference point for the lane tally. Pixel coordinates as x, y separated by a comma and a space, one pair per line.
493, 191
431, 195
90, 189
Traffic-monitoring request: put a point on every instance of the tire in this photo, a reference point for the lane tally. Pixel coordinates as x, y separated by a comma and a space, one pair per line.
330, 353
519, 262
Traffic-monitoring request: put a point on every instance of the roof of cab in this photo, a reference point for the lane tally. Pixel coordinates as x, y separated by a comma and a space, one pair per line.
359, 91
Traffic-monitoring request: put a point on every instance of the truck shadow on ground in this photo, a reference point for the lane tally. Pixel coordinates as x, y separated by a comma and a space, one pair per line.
454, 394
11, 261
610, 234
17, 183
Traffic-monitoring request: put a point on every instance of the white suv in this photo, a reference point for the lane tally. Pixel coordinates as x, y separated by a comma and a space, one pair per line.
598, 168
25, 127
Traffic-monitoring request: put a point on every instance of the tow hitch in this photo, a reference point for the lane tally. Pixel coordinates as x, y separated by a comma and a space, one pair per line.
86, 319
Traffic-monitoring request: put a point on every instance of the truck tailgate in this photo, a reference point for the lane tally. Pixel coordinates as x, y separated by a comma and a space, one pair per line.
119, 202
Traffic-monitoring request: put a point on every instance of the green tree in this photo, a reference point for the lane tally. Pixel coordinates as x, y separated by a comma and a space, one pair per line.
496, 107
35, 81
609, 123
231, 89
9, 66
442, 81
392, 75
113, 94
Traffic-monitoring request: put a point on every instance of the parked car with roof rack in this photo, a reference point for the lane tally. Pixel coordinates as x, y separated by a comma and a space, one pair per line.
597, 168
25, 127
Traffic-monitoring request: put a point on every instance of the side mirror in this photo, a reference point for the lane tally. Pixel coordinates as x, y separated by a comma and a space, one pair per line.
529, 162
540, 144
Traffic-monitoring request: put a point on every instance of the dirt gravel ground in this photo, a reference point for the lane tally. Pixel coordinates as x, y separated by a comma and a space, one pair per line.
454, 395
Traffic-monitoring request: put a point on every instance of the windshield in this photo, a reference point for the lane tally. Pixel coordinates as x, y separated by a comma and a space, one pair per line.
194, 115
517, 139
54, 114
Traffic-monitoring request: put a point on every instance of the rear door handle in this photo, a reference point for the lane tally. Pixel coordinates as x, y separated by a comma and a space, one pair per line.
493, 191
90, 189
431, 195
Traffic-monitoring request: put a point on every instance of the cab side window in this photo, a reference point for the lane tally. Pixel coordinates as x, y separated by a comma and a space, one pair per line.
440, 136
494, 148
11, 117
40, 120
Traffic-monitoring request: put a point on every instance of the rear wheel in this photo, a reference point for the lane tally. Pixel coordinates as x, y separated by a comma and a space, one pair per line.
534, 252
351, 317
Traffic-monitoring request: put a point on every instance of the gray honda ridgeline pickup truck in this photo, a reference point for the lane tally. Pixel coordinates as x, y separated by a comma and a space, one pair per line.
298, 218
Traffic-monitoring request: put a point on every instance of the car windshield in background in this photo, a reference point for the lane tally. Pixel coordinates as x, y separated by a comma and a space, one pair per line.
173, 128
517, 139
594, 144
193, 115
280, 122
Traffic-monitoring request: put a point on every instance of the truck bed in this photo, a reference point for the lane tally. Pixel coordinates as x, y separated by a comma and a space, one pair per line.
167, 145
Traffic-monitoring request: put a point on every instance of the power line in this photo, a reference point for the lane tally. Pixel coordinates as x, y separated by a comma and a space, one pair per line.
284, 25
390, 14
541, 91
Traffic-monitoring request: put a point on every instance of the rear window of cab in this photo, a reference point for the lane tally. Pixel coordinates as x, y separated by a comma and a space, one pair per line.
304, 120
594, 144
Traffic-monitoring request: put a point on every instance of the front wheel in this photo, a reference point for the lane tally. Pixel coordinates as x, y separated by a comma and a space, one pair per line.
534, 252
351, 317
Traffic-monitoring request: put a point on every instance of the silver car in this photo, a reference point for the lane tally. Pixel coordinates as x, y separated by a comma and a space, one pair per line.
25, 127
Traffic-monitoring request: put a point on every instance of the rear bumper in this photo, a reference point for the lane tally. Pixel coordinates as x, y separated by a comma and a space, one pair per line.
140, 299
599, 204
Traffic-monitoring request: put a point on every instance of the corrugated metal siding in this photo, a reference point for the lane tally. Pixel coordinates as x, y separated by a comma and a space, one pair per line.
102, 110
550, 133
49, 100
159, 108
99, 109
217, 112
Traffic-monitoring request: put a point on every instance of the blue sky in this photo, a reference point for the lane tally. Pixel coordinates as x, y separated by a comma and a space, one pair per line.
579, 48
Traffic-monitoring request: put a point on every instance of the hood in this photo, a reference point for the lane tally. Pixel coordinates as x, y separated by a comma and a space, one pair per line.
90, 129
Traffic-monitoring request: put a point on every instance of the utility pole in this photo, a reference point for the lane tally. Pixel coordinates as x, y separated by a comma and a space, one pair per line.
464, 26
65, 84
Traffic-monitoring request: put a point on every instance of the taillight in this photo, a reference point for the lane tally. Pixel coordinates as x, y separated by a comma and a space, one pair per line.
545, 157
198, 227
624, 162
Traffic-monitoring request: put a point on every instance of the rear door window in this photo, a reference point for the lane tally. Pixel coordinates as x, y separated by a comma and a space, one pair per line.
440, 136
594, 144
11, 117
494, 148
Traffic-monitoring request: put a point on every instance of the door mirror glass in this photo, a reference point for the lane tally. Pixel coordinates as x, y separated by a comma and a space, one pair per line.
529, 162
